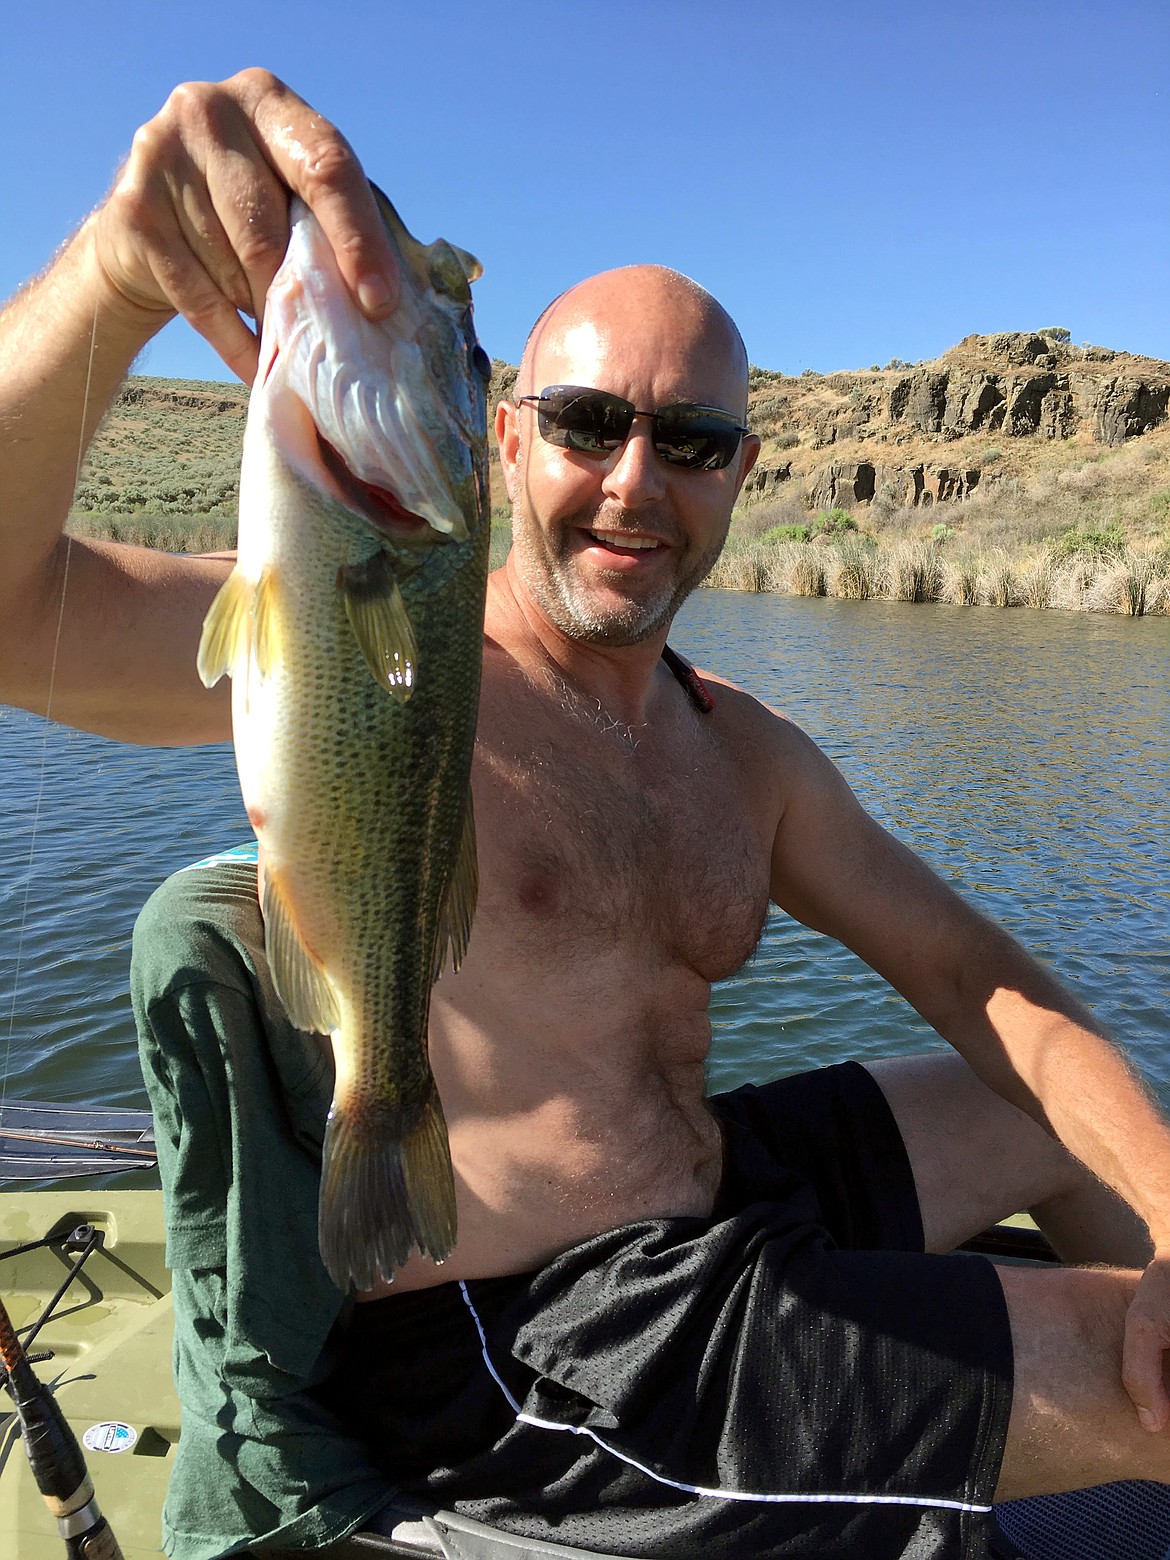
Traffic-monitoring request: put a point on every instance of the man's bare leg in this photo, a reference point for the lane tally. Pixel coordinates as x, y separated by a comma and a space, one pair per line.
1072, 1423
977, 1159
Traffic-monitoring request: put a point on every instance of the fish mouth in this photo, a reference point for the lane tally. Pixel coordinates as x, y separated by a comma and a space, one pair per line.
324, 466
380, 505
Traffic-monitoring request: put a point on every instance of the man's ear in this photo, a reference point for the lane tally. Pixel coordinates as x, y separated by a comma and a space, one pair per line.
749, 453
508, 438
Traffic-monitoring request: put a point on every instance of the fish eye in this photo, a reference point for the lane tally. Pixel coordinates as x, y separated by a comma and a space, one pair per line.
481, 362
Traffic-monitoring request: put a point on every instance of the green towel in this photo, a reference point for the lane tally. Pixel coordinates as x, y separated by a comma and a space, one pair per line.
240, 1099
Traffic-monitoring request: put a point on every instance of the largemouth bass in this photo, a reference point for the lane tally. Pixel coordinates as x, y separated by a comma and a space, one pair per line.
352, 627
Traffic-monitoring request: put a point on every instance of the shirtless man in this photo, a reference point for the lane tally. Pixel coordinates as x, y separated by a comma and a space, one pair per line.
629, 844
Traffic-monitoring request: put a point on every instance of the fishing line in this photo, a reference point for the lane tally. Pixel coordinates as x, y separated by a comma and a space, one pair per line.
48, 717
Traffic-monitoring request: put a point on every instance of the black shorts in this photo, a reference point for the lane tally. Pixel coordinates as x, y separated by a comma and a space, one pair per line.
792, 1376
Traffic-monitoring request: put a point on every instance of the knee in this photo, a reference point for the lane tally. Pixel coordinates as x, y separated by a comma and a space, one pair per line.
1063, 1315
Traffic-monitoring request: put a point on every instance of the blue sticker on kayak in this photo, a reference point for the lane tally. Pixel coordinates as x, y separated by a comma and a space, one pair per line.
245, 852
110, 1436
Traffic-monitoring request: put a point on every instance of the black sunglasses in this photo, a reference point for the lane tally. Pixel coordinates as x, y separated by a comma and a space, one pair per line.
593, 422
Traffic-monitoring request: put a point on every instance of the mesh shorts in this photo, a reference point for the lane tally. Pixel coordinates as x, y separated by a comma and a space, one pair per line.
791, 1377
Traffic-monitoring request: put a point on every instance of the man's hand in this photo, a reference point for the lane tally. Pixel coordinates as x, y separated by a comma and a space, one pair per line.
197, 223
1147, 1338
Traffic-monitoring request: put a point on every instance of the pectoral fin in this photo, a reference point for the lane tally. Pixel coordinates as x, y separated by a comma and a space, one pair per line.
226, 629
459, 905
266, 622
377, 615
301, 984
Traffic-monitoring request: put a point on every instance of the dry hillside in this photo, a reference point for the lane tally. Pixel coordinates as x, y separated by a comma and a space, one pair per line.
1011, 439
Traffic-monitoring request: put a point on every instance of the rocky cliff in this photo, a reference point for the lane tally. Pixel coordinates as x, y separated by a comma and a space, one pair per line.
1012, 385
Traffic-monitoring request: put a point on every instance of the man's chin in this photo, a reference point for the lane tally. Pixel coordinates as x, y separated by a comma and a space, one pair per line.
598, 612
599, 618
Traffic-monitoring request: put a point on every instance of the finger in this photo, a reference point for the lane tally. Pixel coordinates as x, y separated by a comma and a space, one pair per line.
1142, 1371
234, 206
317, 163
197, 297
146, 250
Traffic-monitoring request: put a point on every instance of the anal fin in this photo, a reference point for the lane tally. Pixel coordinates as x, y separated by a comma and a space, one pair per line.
301, 984
459, 904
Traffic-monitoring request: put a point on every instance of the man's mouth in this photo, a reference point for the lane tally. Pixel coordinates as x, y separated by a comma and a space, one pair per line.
621, 542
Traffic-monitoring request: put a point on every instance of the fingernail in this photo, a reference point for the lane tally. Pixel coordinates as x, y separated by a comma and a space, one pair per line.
374, 295
1147, 1418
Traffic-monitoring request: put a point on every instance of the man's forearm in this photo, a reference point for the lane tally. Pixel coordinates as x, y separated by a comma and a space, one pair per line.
66, 343
1039, 1047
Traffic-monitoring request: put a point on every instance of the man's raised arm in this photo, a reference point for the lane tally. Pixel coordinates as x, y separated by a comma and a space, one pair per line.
196, 224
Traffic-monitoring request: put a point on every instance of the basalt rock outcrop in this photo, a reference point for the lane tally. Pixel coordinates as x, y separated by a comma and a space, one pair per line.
842, 485
765, 480
1011, 385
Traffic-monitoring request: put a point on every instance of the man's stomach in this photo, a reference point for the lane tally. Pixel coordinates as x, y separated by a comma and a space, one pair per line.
538, 1178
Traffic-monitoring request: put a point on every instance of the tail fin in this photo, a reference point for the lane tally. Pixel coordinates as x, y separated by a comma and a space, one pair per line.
383, 1194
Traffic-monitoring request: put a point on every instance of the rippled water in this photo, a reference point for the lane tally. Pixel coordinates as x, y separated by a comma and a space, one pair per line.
1026, 755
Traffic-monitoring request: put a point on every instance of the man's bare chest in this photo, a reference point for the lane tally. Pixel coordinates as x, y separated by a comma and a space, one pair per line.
594, 838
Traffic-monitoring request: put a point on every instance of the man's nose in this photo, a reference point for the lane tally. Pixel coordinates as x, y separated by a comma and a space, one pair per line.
634, 474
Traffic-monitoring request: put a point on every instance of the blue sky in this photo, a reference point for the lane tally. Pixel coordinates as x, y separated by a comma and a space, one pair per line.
855, 181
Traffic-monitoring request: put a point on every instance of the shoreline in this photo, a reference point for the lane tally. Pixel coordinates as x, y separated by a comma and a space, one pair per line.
1128, 582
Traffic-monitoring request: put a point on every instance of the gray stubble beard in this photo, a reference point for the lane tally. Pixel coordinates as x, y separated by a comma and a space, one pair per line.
550, 582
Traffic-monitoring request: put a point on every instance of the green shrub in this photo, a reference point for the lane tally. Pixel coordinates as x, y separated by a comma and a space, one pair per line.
832, 522
941, 533
787, 533
1105, 542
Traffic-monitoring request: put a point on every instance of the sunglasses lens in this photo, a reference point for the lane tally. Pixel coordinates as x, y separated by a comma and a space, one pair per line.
593, 422
697, 437
589, 421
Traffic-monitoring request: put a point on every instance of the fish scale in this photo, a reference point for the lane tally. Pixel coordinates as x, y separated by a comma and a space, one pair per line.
353, 636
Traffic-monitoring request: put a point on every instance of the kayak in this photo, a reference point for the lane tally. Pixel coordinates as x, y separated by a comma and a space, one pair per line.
85, 1284
109, 1337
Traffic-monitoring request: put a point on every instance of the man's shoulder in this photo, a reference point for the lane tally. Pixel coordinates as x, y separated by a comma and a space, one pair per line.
744, 715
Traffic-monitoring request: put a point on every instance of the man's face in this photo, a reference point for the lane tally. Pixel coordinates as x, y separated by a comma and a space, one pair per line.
609, 547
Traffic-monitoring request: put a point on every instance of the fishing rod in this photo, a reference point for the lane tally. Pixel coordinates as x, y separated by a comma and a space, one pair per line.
56, 1459
68, 1140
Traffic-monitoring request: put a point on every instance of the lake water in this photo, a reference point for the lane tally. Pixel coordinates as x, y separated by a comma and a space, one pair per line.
1025, 755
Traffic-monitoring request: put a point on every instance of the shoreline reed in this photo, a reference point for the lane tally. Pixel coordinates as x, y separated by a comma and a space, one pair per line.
1129, 581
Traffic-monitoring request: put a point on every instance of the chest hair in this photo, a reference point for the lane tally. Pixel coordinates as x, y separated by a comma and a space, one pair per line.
592, 834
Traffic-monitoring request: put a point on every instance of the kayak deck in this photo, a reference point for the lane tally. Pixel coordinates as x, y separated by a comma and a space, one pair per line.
110, 1337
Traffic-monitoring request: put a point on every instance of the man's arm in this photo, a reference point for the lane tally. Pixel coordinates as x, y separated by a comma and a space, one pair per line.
197, 224
1025, 1036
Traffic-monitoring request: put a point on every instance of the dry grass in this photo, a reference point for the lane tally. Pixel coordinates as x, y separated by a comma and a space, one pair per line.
913, 571
1135, 582
167, 533
853, 575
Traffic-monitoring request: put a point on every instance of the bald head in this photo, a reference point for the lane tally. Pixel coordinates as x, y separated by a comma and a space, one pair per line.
663, 311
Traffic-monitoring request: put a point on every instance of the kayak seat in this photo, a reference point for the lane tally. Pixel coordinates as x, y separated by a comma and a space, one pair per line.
1124, 1521
413, 1531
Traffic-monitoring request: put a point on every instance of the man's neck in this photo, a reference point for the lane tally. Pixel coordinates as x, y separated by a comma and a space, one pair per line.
623, 679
